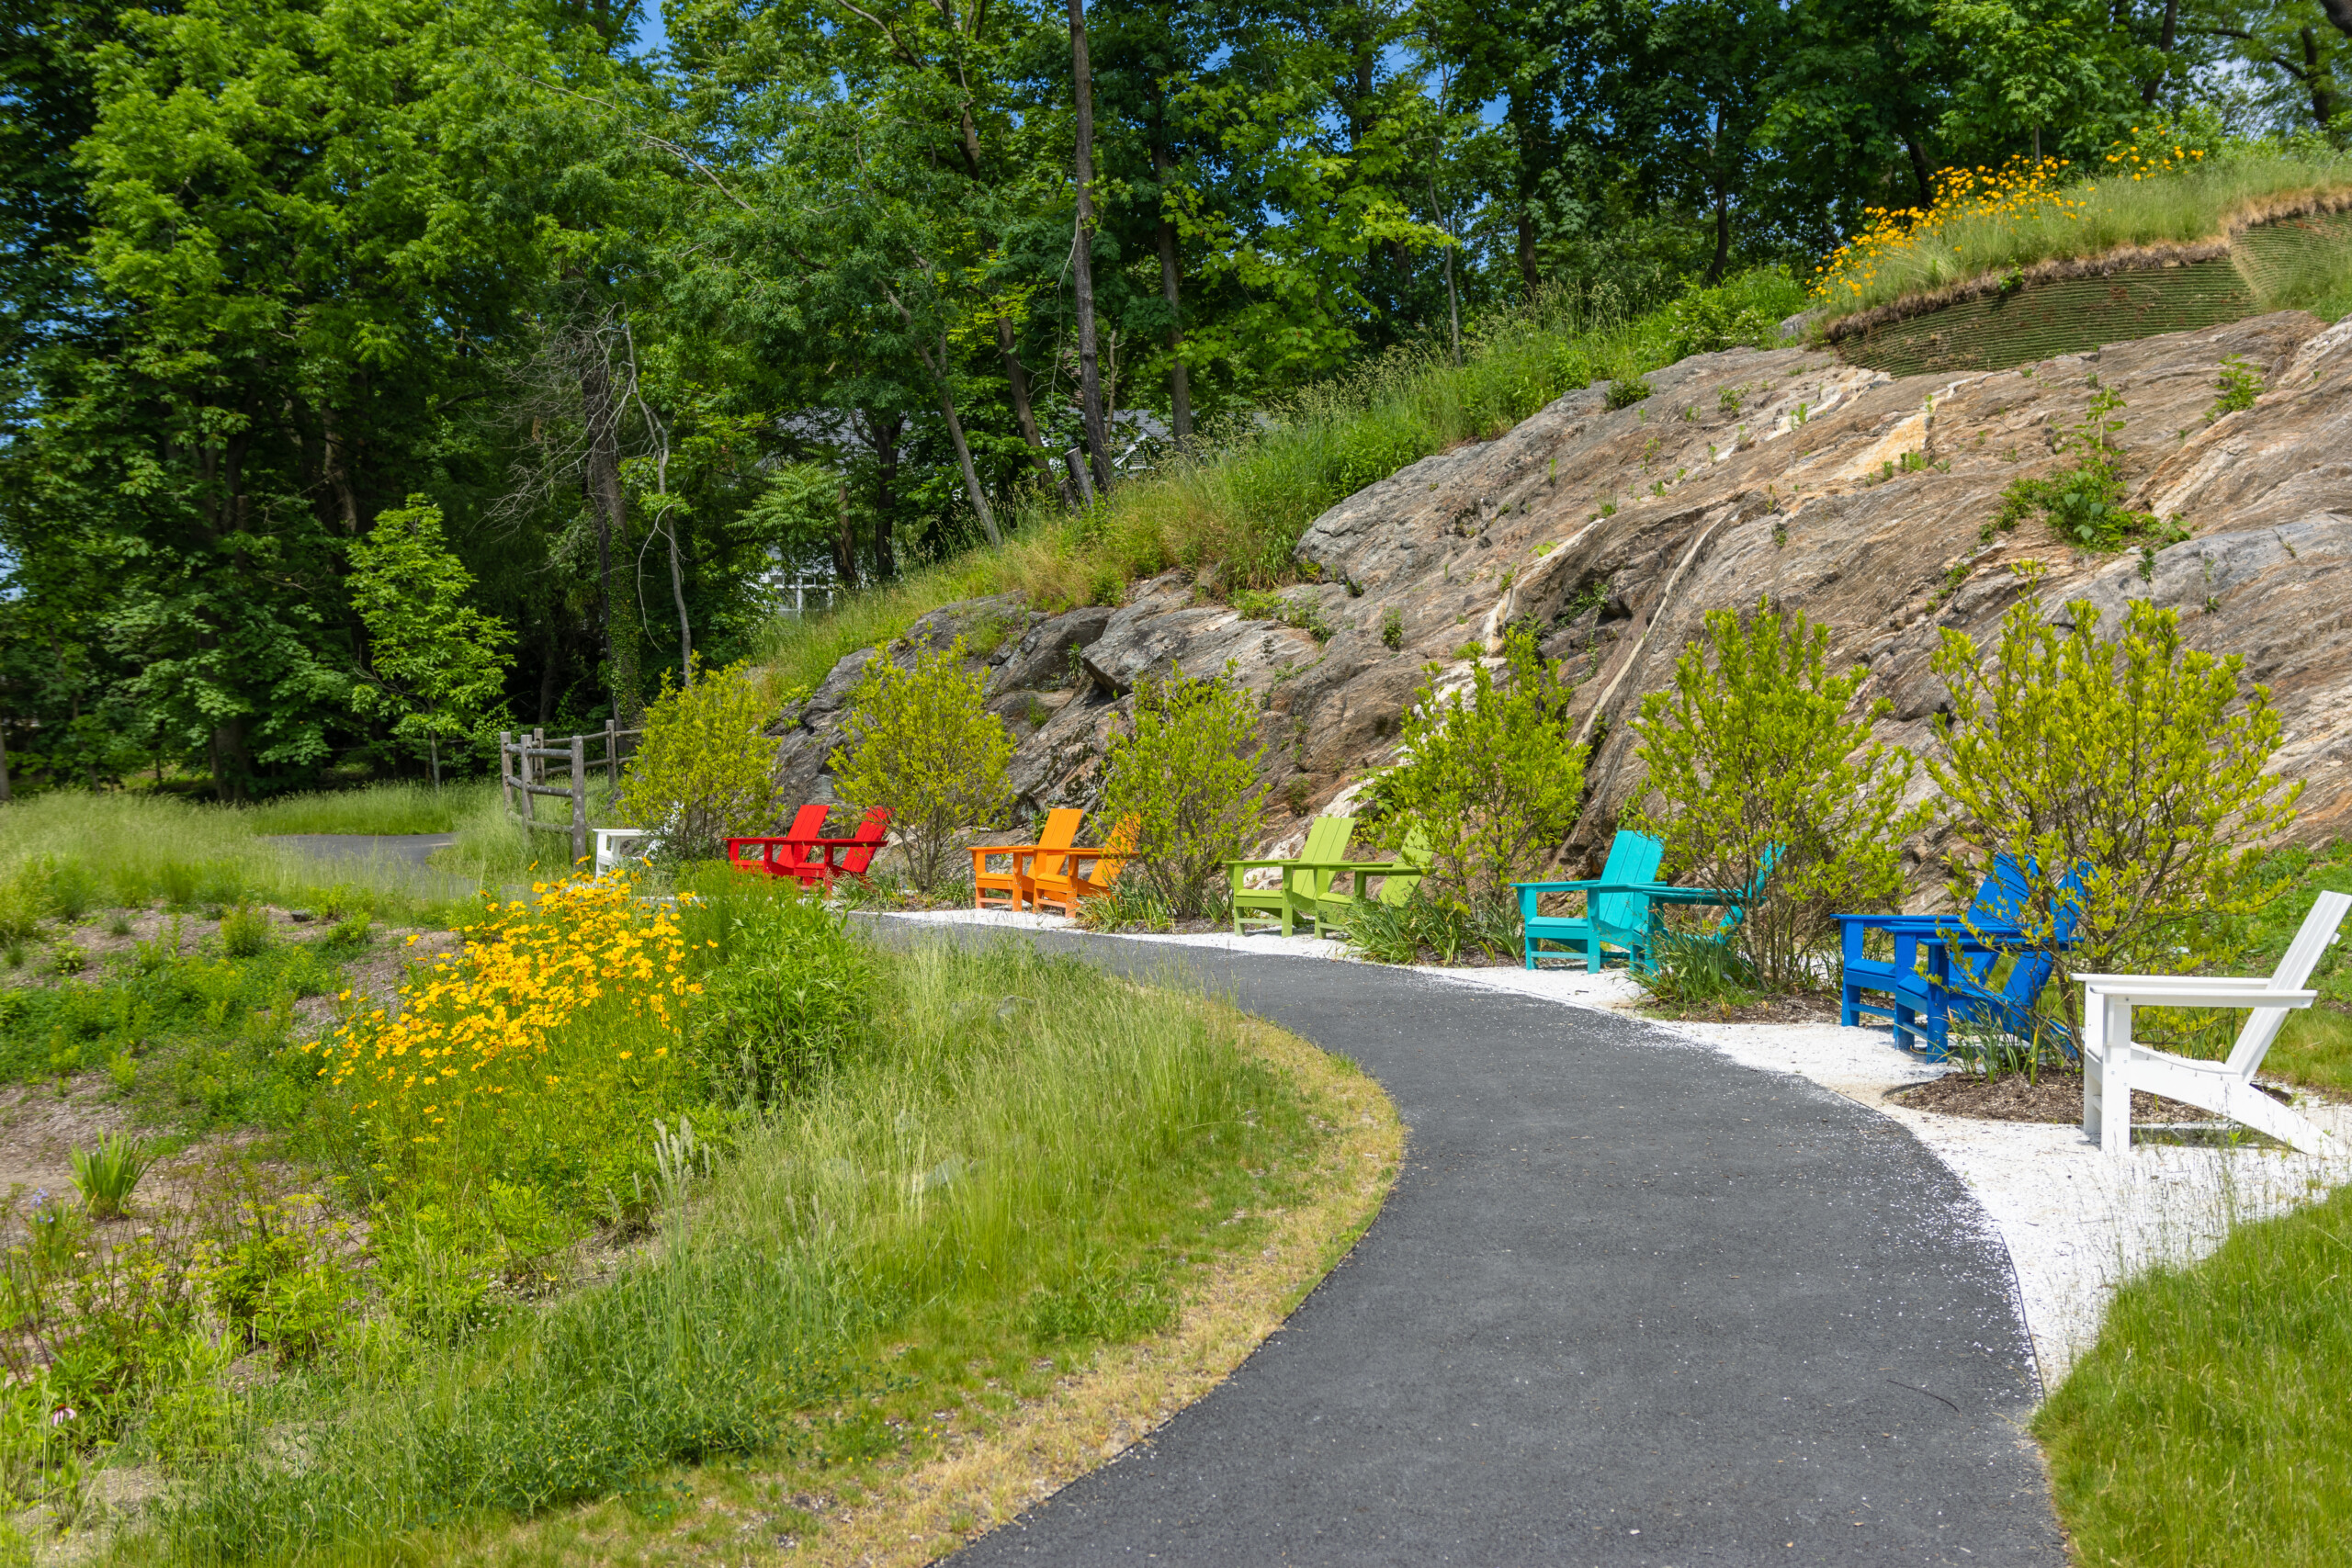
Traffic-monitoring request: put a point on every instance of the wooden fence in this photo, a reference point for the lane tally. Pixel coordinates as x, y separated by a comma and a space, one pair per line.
523, 773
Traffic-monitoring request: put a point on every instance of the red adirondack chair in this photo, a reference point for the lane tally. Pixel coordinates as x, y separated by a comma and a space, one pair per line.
782, 856
832, 858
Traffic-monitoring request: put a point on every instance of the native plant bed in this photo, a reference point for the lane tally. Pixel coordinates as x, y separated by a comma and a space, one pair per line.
2052, 1097
630, 1213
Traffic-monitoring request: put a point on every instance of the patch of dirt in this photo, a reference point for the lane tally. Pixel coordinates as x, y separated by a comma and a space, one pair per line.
2056, 1098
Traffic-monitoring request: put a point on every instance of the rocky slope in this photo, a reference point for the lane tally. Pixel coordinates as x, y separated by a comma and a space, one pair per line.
1859, 498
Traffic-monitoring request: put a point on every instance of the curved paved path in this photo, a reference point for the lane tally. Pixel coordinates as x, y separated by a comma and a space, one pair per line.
1628, 1304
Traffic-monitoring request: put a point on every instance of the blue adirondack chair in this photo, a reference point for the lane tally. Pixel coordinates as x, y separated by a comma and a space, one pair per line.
1943, 966
1633, 858
1642, 934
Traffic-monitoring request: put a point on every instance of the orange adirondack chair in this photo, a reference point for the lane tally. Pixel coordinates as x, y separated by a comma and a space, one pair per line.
1062, 827
1065, 887
807, 826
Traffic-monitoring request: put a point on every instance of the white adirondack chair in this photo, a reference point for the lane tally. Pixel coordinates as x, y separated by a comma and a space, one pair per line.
616, 845
2113, 1065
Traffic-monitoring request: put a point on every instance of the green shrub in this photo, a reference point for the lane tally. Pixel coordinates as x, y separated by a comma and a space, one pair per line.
915, 738
1627, 390
1752, 750
1426, 927
1187, 775
1491, 777
244, 932
703, 772
796, 999
1392, 628
2131, 756
2237, 385
1748, 311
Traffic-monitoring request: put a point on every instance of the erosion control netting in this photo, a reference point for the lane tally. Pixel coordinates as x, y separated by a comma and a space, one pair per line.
2292, 263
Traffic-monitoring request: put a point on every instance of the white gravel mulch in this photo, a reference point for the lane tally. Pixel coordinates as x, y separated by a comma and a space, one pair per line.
2076, 1223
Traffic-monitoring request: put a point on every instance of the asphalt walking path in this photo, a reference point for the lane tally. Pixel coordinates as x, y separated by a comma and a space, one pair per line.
1629, 1303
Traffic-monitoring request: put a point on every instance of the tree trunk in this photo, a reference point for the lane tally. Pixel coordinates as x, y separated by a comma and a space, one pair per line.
845, 547
882, 432
1089, 381
1016, 376
2325, 103
1179, 389
1453, 298
602, 413
678, 595
1521, 116
2167, 35
1722, 235
1919, 171
938, 368
2340, 13
3, 762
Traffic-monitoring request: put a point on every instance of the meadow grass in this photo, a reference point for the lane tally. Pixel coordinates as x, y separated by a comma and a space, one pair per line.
1029, 1159
2091, 217
2210, 1427
1240, 501
406, 808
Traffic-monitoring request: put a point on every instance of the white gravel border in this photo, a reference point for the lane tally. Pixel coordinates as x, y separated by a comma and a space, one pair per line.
2075, 1223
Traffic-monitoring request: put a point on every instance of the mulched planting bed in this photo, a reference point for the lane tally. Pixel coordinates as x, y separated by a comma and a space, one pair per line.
2055, 1097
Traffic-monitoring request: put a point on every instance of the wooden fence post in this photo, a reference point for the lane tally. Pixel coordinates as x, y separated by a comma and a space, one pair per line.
579, 799
612, 754
505, 781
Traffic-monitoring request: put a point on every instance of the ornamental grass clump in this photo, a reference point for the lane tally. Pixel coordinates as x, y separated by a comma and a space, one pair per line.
2134, 759
1755, 757
536, 1057
108, 1175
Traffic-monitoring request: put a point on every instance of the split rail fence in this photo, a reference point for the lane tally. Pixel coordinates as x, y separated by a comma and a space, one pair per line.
523, 773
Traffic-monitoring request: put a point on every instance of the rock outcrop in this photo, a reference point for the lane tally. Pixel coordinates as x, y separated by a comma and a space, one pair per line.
1861, 500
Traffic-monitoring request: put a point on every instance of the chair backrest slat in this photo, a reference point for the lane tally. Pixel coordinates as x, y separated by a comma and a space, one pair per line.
1116, 851
2031, 974
1632, 857
1326, 839
869, 835
2312, 940
1058, 834
1415, 852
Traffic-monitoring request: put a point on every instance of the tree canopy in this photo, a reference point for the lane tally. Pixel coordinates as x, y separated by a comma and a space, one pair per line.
635, 325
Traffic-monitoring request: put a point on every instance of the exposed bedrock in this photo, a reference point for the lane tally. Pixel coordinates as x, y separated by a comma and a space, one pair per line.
1861, 500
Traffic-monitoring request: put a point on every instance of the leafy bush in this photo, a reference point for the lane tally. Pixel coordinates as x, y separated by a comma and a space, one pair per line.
1627, 390
796, 999
1491, 777
703, 772
917, 741
244, 932
2084, 503
1753, 748
2129, 756
2237, 385
1187, 774
1708, 320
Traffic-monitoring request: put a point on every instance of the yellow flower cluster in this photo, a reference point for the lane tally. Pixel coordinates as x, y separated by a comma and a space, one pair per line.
2021, 188
543, 993
2149, 155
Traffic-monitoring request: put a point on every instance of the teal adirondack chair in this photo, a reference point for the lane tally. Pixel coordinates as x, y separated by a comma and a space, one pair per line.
1633, 858
1304, 879
1397, 879
1628, 916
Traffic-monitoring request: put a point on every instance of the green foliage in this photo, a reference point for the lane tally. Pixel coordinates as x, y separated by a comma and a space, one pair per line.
244, 932
2237, 385
2207, 1425
1693, 973
795, 999
1627, 390
1708, 320
1753, 750
2084, 503
108, 1175
1187, 775
916, 739
1392, 628
1307, 614
703, 771
2135, 756
1491, 776
437, 664
1425, 928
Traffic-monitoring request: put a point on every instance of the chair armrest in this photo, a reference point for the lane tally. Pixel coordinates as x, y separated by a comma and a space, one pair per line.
1581, 886
2165, 996
2190, 982
1253, 865
1375, 866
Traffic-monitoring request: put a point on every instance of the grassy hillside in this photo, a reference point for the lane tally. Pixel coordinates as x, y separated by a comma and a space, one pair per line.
1988, 221
1242, 503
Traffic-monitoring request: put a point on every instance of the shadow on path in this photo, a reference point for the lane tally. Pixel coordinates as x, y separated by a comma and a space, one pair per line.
1630, 1303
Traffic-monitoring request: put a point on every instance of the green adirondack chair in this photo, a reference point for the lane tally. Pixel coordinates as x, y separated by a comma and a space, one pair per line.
1397, 879
1295, 900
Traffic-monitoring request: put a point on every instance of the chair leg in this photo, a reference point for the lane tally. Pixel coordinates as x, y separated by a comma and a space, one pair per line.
2115, 1078
1849, 1005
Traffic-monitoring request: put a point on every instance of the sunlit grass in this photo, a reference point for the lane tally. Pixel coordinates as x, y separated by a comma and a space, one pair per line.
378, 808
2210, 1428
